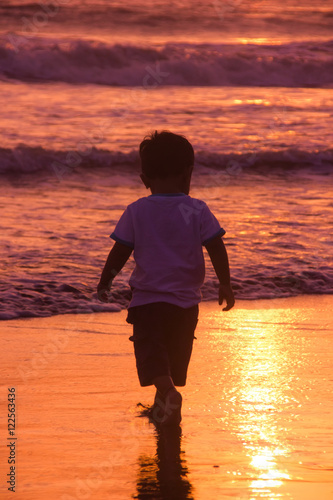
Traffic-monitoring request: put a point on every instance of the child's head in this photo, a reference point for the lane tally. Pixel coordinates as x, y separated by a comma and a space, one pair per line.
164, 154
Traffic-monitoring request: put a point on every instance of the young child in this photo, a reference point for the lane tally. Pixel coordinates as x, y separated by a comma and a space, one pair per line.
167, 231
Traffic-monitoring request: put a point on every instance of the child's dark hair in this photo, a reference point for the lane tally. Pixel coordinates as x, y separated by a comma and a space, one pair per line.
164, 154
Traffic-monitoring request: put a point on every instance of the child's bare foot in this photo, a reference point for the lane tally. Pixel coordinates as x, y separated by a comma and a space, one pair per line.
156, 412
172, 410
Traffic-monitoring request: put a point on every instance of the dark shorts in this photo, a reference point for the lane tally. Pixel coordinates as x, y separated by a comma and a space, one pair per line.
163, 336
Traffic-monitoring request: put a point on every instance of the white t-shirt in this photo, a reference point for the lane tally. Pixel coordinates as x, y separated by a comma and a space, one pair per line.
167, 232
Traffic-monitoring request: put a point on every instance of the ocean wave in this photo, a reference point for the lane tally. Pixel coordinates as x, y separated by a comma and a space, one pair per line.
25, 160
40, 298
185, 19
298, 64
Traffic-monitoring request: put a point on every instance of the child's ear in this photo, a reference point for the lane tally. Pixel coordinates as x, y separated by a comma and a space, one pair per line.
145, 180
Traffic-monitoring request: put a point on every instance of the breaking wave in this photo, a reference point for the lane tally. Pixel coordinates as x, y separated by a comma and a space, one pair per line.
37, 160
297, 64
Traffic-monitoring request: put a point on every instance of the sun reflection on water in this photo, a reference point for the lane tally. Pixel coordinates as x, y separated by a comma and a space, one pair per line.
261, 399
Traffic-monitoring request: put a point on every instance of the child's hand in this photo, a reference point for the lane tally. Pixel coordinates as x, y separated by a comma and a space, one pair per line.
225, 292
103, 294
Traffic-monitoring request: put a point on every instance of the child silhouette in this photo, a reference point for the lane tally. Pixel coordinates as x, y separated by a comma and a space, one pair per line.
167, 231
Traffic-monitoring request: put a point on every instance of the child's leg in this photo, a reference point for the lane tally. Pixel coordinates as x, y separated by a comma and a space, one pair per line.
155, 326
180, 325
167, 399
163, 384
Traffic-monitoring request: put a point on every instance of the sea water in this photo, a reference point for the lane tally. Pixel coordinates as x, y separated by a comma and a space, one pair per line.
81, 83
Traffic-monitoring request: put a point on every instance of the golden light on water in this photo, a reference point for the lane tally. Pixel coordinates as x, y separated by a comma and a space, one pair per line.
268, 474
260, 41
264, 102
262, 390
261, 395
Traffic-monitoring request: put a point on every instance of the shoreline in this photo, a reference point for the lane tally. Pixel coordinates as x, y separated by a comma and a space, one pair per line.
113, 307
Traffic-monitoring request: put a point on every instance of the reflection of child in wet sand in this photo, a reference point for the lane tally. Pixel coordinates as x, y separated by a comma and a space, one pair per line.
166, 230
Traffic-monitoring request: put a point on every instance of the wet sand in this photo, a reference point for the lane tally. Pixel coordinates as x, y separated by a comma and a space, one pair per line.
257, 408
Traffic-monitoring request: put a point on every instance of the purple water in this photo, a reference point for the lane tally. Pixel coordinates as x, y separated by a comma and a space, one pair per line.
81, 83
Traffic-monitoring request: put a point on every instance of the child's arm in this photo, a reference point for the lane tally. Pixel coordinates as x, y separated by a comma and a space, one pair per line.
219, 257
117, 258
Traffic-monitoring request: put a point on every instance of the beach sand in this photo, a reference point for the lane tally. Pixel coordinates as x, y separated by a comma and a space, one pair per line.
257, 408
